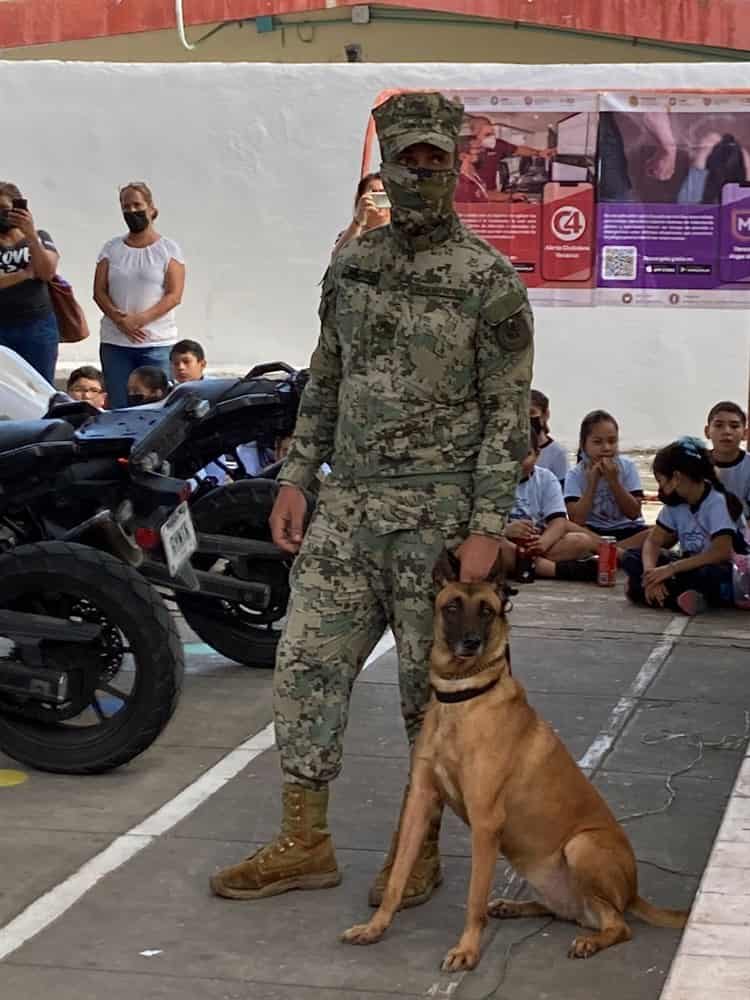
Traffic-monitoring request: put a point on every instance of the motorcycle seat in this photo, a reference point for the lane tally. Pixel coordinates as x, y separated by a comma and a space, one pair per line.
212, 389
20, 433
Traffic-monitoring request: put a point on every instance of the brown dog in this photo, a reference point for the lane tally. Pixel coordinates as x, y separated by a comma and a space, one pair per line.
486, 752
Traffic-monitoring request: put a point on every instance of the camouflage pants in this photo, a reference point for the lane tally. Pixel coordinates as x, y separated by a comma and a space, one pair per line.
365, 565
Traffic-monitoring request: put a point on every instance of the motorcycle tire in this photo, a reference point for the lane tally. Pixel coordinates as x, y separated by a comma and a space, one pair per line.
139, 644
240, 509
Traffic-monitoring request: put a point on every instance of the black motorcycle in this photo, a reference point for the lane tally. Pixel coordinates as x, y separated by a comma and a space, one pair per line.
91, 664
235, 590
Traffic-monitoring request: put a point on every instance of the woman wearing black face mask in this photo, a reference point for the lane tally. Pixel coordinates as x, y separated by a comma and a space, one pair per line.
138, 284
28, 259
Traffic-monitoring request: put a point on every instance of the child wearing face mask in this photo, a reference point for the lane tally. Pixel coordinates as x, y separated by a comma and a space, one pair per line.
552, 455
704, 519
138, 285
147, 384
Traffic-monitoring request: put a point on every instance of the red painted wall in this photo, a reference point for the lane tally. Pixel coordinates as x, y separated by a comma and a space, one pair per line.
721, 23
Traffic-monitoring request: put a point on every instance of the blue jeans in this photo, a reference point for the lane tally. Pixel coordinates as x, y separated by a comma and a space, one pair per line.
119, 362
36, 340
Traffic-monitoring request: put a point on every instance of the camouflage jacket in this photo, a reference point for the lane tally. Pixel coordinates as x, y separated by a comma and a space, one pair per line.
422, 369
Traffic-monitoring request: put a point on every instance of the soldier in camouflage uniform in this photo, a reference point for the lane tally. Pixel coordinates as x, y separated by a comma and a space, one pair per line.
418, 399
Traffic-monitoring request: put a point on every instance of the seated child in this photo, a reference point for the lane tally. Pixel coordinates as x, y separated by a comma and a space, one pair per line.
538, 524
603, 492
726, 429
705, 520
188, 361
87, 383
147, 384
552, 455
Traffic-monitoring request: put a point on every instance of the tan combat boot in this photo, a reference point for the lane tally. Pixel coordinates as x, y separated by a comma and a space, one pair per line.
301, 857
426, 875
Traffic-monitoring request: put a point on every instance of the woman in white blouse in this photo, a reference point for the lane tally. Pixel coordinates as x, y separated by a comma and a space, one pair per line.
138, 284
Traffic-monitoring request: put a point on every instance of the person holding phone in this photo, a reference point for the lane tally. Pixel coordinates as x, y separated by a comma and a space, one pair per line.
371, 209
138, 284
28, 261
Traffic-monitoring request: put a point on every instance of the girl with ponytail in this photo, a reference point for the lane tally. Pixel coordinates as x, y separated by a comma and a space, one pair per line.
705, 520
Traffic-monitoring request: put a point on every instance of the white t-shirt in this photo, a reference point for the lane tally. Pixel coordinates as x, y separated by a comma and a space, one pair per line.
136, 282
553, 456
538, 499
605, 514
736, 479
696, 525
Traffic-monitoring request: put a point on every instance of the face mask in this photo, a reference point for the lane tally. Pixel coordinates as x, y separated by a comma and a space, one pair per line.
536, 424
489, 142
670, 499
136, 221
136, 399
420, 199
5, 226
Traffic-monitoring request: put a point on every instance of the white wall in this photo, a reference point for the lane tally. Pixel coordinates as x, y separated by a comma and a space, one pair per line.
254, 166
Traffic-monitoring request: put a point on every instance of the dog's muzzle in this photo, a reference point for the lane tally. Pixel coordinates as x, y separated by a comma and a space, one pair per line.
470, 645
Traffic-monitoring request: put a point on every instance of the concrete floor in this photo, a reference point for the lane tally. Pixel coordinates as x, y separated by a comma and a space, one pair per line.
576, 648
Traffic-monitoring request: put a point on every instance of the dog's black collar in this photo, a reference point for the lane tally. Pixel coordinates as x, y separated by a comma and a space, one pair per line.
466, 694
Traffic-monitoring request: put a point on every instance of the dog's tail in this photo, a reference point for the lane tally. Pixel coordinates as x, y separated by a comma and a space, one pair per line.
657, 916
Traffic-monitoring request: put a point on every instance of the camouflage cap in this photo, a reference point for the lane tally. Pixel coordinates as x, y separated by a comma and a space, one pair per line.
406, 119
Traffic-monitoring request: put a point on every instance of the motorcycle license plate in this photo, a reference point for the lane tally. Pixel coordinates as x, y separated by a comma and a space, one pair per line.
178, 538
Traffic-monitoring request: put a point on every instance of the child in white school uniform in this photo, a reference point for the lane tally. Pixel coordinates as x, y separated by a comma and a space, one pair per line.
705, 520
538, 524
603, 491
552, 455
726, 429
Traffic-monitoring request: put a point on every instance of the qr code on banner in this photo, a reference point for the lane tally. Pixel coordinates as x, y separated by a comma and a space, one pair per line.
620, 263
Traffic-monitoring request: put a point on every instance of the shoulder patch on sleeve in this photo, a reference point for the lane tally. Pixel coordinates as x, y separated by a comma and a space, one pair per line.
516, 333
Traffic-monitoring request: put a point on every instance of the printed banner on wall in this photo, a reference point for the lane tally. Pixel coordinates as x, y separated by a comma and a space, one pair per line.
526, 185
615, 198
674, 199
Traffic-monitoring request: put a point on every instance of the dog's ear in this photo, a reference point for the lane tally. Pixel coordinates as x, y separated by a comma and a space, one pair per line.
446, 570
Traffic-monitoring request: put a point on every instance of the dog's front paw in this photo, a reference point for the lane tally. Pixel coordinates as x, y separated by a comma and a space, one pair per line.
583, 946
460, 958
363, 934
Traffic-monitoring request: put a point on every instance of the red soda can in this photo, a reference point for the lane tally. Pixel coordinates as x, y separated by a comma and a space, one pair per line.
607, 573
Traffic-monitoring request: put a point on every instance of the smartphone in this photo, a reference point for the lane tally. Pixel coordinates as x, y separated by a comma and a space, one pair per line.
20, 204
734, 233
567, 251
381, 199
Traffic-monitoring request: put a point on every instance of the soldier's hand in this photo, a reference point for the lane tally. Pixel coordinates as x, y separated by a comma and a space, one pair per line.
287, 520
522, 532
477, 555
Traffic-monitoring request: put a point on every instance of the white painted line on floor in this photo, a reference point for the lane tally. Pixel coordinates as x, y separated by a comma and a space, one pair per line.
626, 705
54, 903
